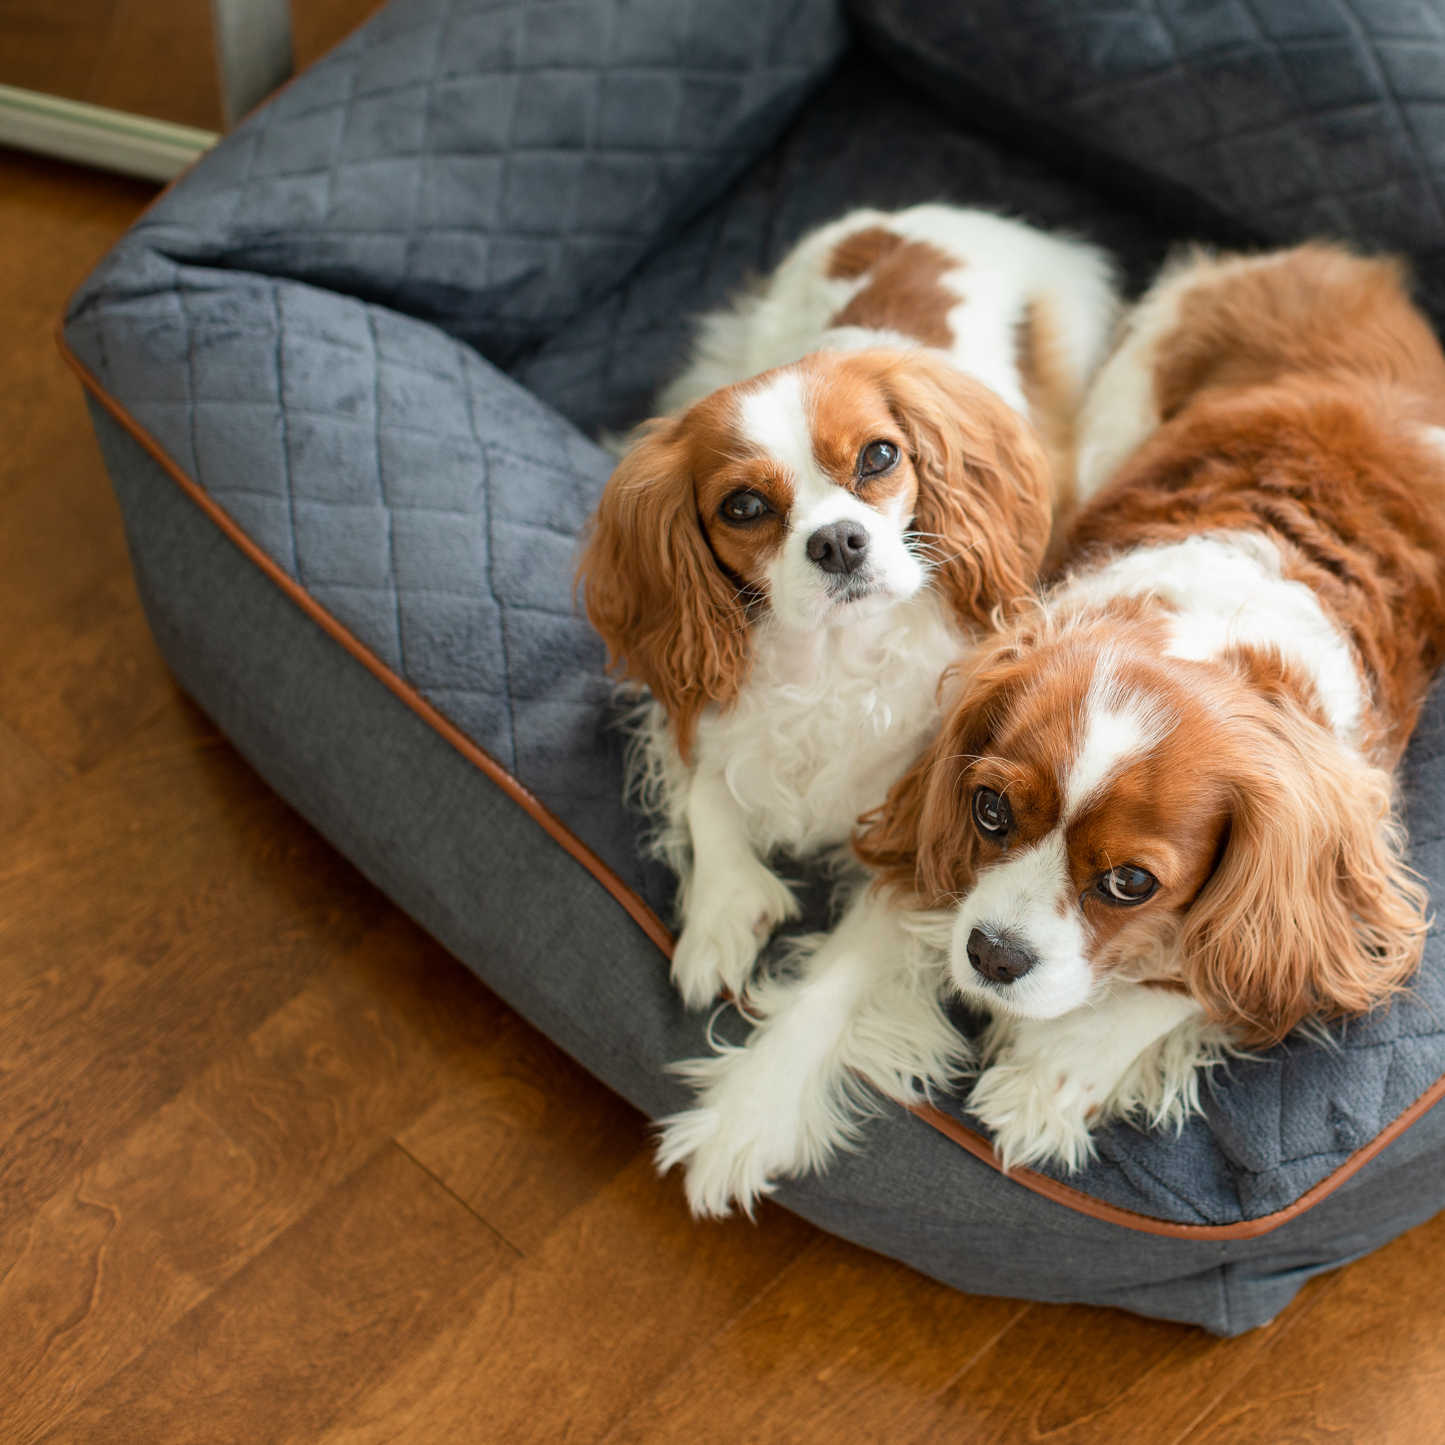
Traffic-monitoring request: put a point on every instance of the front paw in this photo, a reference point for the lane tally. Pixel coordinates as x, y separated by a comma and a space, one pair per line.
729, 918
736, 1142
1037, 1114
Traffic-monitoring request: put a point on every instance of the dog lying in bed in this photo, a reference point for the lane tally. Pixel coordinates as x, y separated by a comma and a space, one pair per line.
1158, 818
855, 480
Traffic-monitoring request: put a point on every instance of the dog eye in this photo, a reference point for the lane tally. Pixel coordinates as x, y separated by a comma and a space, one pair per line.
992, 813
744, 507
876, 458
1127, 884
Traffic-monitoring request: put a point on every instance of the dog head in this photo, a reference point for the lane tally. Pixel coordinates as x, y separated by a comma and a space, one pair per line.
821, 492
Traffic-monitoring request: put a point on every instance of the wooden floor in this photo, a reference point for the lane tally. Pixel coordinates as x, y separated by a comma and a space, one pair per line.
274, 1167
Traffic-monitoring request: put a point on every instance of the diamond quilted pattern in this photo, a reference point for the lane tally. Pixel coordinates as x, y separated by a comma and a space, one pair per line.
1280, 119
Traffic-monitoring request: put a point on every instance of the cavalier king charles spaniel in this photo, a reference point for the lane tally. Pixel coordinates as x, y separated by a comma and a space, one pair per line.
1158, 820
855, 478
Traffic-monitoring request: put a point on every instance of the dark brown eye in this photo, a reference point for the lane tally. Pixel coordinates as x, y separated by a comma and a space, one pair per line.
877, 458
1127, 884
744, 507
992, 813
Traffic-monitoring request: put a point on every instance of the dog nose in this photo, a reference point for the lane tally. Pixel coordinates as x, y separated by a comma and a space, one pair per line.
839, 547
999, 962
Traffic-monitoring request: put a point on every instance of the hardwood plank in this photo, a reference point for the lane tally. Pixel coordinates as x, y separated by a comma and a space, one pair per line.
1369, 1369
529, 1138
359, 1285
846, 1346
77, 685
26, 776
317, 25
614, 1300
161, 62
1075, 1375
239, 1155
56, 221
53, 47
160, 908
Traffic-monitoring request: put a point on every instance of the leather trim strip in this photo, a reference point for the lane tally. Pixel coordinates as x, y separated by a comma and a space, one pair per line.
654, 928
1083, 1203
641, 914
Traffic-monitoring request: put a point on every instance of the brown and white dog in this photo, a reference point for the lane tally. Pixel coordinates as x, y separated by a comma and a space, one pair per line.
857, 479
1158, 819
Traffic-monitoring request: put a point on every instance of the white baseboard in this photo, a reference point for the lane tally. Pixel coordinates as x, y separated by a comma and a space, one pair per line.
114, 140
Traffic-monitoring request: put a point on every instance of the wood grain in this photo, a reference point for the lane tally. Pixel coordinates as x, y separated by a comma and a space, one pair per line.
248, 1147
515, 1145
354, 1288
846, 1346
619, 1295
1077, 1376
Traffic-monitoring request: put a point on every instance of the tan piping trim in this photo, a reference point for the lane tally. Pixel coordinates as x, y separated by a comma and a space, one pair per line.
980, 1147
641, 914
653, 927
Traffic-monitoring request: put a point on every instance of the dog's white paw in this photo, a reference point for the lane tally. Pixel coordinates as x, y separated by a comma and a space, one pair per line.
1039, 1113
742, 1136
730, 915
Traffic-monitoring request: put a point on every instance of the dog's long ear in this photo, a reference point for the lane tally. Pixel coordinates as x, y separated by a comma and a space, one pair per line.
984, 485
670, 616
1311, 910
921, 841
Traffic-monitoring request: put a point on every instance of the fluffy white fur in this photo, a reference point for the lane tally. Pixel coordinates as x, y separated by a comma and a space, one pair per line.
840, 697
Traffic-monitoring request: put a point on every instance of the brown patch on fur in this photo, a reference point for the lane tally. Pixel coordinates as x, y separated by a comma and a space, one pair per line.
904, 292
1294, 395
861, 252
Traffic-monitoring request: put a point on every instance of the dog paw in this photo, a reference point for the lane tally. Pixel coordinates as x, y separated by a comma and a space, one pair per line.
1038, 1114
729, 919
739, 1139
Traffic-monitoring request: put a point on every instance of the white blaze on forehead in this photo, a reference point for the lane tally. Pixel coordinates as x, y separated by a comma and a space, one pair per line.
1028, 898
775, 418
1118, 725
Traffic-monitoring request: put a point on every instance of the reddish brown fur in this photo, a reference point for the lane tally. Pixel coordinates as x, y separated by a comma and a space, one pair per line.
1292, 398
668, 584
904, 292
1305, 427
861, 252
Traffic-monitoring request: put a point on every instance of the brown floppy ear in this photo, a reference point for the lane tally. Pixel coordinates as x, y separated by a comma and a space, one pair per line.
670, 616
1311, 910
984, 486
921, 840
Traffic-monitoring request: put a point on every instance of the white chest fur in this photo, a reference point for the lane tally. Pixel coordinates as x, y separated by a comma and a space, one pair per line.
827, 721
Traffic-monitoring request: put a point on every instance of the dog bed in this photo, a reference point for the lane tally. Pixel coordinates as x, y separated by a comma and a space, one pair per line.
346, 376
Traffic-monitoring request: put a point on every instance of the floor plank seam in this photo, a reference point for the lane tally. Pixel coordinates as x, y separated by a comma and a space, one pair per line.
442, 1184
662, 1385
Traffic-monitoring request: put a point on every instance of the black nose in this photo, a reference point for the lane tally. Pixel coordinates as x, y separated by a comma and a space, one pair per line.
999, 962
839, 547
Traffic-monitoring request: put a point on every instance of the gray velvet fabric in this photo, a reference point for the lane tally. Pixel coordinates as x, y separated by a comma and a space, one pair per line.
477, 872
1272, 120
316, 337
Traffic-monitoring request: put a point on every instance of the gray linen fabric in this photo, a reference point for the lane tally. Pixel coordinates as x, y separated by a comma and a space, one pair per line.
312, 324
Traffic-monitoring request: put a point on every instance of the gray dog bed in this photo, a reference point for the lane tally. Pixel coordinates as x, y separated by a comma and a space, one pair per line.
345, 374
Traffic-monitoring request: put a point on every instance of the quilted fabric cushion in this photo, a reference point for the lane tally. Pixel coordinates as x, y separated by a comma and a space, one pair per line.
1273, 120
310, 337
